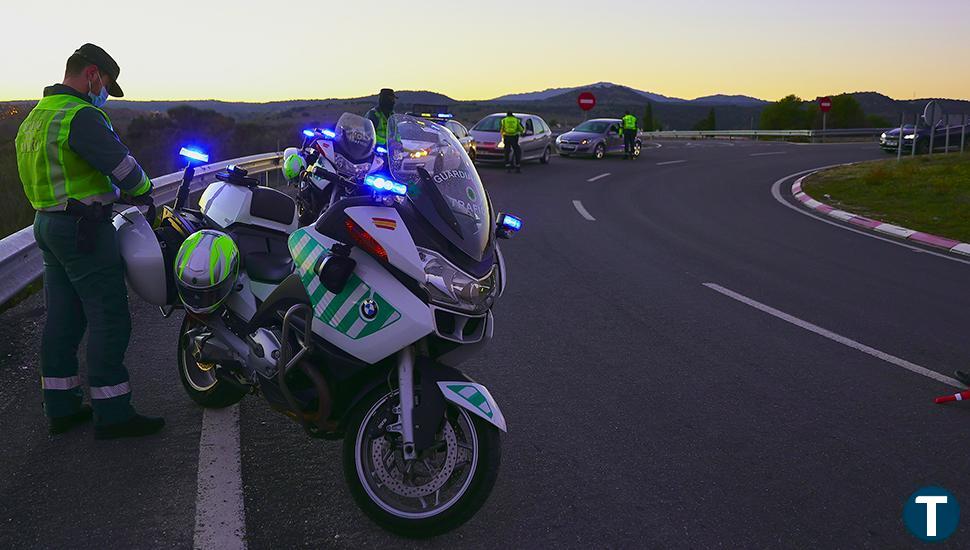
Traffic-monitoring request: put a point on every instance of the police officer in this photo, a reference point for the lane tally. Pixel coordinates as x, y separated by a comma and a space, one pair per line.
512, 128
73, 166
629, 130
380, 113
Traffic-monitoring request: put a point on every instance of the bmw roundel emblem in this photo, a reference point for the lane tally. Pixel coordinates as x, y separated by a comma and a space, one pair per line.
368, 310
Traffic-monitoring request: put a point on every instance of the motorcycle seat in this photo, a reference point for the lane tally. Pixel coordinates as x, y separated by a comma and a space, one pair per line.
268, 268
272, 205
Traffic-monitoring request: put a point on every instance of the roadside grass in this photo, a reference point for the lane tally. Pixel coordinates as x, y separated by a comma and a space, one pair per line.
930, 194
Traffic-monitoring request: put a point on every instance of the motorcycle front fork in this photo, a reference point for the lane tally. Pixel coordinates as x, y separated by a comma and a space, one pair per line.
405, 381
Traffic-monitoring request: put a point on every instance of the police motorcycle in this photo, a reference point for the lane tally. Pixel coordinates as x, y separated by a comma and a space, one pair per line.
354, 326
320, 149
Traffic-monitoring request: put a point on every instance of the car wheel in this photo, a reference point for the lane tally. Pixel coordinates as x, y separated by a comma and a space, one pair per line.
599, 152
546, 155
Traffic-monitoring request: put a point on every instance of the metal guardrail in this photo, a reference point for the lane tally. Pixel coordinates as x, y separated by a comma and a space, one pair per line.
20, 260
848, 132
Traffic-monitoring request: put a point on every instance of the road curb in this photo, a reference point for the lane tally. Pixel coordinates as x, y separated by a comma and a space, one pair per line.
876, 226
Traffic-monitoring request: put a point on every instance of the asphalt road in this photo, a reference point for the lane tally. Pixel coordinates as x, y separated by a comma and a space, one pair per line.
645, 408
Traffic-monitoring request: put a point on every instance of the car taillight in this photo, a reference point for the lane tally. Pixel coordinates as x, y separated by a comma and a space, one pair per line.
364, 239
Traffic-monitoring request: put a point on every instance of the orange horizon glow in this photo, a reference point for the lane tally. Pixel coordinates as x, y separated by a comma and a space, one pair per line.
258, 52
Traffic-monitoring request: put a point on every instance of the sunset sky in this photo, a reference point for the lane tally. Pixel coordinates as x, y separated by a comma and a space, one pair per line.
260, 51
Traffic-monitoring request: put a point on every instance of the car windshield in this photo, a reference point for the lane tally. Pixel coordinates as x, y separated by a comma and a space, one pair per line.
442, 182
592, 126
490, 123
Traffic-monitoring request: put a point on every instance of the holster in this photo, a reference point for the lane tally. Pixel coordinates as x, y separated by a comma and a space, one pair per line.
89, 216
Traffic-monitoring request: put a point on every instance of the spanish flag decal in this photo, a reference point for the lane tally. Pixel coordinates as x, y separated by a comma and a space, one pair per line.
385, 223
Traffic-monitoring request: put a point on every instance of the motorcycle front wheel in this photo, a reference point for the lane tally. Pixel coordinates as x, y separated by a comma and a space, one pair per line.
200, 380
433, 494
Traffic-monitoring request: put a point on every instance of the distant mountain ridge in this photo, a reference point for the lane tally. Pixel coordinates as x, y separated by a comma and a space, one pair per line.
550, 93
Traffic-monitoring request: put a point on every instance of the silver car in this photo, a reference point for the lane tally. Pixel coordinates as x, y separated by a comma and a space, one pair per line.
596, 138
536, 142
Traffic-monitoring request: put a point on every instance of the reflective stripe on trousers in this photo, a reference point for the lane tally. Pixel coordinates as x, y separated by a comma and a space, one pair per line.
108, 392
54, 383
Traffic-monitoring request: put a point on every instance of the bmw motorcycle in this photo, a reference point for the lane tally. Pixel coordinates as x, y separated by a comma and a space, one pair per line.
355, 326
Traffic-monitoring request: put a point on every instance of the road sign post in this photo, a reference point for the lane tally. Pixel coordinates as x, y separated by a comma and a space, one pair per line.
963, 132
899, 138
825, 105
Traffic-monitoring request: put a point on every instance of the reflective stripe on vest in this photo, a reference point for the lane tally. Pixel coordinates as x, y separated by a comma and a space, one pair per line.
629, 122
51, 172
510, 126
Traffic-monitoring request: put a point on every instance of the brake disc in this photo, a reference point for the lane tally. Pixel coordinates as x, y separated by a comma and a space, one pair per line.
394, 479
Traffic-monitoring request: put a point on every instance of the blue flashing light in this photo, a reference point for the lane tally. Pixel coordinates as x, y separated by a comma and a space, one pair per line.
329, 134
381, 150
309, 133
383, 184
511, 222
445, 115
194, 154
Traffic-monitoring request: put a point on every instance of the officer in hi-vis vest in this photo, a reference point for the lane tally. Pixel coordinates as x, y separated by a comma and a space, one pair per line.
512, 128
629, 135
73, 167
381, 112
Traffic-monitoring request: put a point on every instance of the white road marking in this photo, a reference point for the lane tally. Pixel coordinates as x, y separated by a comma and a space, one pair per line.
582, 211
776, 192
766, 154
220, 513
670, 162
892, 359
599, 177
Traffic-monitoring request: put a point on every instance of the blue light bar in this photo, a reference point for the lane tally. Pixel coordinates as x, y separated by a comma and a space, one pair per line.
381, 150
194, 154
383, 184
511, 222
328, 134
309, 133
445, 115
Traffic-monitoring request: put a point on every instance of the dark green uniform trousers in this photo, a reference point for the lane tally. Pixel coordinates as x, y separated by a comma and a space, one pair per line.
84, 291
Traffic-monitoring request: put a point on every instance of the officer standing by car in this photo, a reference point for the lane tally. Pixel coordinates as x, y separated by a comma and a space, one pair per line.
381, 112
629, 135
512, 128
72, 166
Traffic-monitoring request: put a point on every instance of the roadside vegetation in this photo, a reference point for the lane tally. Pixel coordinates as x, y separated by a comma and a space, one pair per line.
930, 194
794, 113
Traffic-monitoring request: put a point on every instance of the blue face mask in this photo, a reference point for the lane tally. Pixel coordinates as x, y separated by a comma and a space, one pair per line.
98, 100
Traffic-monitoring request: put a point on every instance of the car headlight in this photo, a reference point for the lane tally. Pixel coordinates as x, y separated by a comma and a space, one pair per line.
909, 136
451, 287
584, 142
883, 136
558, 139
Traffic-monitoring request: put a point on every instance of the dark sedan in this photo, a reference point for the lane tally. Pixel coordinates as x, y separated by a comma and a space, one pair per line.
889, 140
596, 138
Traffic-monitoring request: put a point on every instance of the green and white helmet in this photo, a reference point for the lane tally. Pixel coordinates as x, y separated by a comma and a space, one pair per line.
206, 268
293, 164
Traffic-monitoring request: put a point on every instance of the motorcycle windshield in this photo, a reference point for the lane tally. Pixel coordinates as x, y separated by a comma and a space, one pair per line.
442, 182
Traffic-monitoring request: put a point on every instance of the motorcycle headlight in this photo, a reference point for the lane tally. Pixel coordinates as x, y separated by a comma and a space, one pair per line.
451, 287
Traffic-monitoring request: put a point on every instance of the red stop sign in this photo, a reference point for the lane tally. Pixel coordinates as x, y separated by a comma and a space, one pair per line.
586, 101
825, 104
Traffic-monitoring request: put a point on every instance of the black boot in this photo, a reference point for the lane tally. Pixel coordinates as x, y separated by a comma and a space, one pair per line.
63, 424
962, 376
135, 426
